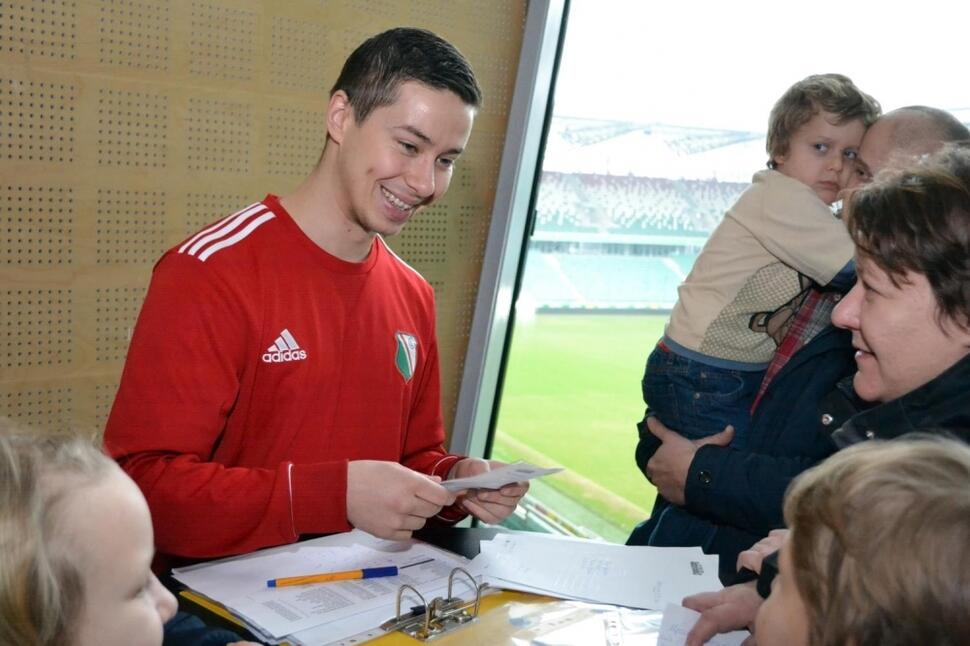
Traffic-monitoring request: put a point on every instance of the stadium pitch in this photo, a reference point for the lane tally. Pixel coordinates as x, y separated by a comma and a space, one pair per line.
571, 398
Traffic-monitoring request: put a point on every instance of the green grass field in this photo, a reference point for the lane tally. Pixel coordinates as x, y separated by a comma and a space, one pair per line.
571, 398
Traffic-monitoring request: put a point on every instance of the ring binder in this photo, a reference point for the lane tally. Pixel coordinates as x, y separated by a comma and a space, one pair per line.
443, 615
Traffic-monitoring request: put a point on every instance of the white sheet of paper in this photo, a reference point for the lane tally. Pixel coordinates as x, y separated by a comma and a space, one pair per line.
240, 584
678, 621
498, 478
625, 575
587, 624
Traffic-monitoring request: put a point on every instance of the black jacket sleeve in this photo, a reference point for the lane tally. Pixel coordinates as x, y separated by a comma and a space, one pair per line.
790, 432
742, 489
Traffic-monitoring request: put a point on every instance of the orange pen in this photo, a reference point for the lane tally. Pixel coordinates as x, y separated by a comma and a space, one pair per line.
349, 575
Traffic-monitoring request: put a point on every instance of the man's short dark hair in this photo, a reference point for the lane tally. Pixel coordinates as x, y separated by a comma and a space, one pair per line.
917, 219
375, 70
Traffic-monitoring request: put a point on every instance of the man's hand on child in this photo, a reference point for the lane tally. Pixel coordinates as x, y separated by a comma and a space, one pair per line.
668, 467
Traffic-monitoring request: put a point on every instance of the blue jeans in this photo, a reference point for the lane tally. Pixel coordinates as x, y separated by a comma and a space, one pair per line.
696, 400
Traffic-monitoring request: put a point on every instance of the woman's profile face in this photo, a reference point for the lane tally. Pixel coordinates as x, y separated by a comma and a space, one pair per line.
108, 529
899, 342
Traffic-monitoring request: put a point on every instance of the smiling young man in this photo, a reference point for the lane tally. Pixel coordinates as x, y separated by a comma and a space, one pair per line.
283, 375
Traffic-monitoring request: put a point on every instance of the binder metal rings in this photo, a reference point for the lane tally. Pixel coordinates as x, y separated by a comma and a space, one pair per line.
431, 620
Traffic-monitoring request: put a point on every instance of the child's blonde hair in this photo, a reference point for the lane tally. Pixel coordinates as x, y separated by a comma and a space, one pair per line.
41, 592
833, 93
879, 543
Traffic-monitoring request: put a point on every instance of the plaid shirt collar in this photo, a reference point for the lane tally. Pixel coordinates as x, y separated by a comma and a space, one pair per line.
814, 315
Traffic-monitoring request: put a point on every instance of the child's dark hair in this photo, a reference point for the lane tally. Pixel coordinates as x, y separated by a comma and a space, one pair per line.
832, 93
374, 71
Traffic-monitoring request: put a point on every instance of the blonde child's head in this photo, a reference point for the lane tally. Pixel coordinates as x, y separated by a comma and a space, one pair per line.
75, 548
878, 549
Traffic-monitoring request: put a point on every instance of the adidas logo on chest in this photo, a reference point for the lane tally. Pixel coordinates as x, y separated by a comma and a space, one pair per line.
284, 349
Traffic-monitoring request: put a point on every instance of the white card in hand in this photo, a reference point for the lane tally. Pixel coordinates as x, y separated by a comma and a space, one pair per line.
498, 478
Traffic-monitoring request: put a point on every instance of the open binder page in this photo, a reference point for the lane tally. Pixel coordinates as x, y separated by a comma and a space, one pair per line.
240, 583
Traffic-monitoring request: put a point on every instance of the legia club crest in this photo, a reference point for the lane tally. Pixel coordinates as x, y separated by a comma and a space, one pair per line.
407, 354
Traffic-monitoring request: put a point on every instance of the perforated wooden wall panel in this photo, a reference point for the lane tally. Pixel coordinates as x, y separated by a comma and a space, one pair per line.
126, 125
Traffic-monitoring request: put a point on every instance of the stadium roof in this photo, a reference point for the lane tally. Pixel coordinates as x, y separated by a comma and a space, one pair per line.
602, 147
578, 145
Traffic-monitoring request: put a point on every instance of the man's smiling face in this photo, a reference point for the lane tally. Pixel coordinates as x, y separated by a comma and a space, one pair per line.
400, 158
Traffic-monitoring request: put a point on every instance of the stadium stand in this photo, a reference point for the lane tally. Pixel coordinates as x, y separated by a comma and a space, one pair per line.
646, 205
626, 236
646, 220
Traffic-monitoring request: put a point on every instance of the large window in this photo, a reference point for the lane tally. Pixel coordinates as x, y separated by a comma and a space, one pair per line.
659, 121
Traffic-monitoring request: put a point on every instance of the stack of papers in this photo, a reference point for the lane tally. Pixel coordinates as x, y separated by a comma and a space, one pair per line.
350, 612
577, 623
328, 612
623, 575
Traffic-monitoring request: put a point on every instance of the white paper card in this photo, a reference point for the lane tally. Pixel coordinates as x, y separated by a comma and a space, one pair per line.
498, 478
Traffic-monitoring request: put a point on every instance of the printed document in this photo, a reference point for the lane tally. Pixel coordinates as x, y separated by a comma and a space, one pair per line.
623, 575
240, 583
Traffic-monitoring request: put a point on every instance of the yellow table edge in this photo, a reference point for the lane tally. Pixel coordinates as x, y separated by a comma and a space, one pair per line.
489, 602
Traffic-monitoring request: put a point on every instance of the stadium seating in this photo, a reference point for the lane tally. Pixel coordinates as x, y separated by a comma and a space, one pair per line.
647, 205
642, 271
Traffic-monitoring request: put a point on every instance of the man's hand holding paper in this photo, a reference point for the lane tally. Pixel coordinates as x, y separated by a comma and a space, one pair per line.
390, 501
492, 488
